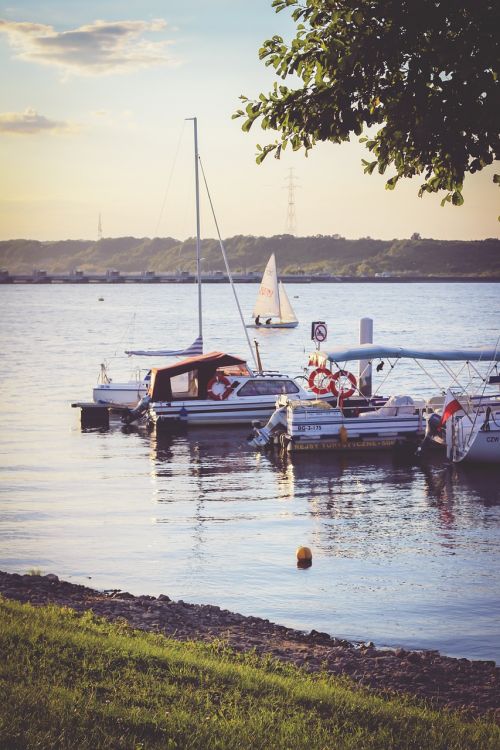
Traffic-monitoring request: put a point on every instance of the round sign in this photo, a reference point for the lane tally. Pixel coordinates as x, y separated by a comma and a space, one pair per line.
320, 332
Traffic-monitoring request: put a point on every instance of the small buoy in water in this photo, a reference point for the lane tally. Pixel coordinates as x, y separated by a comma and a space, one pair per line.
304, 557
101, 299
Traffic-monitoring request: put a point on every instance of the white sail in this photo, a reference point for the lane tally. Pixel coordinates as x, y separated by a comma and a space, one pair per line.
287, 314
268, 299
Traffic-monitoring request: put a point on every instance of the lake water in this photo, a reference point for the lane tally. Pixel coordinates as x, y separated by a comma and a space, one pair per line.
404, 554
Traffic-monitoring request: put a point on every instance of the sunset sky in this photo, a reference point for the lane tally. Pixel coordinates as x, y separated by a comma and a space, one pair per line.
94, 97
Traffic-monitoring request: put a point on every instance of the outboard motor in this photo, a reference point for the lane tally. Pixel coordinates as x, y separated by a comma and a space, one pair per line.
262, 435
132, 415
432, 429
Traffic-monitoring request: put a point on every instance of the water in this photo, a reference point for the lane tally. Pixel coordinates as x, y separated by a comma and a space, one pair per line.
403, 554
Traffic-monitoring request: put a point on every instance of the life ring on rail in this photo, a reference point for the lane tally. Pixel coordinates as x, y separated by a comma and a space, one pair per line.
320, 381
218, 395
341, 391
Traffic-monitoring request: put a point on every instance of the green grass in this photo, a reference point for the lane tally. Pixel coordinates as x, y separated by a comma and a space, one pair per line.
76, 681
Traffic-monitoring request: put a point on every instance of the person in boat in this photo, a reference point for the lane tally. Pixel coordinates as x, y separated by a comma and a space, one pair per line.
268, 322
257, 321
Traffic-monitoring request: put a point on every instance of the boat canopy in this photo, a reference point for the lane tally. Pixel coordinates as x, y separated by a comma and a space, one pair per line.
205, 365
376, 351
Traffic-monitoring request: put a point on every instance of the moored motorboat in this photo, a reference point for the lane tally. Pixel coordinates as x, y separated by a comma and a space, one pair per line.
215, 388
308, 425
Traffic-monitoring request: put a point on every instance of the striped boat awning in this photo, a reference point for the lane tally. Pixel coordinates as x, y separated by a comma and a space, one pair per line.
191, 351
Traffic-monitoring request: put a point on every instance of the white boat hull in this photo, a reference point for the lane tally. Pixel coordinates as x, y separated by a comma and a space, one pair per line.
318, 429
207, 412
121, 394
474, 437
482, 447
265, 326
307, 426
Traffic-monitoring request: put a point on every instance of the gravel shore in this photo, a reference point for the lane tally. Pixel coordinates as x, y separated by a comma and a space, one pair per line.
472, 687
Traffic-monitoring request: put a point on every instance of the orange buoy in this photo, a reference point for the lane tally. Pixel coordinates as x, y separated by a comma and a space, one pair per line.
304, 554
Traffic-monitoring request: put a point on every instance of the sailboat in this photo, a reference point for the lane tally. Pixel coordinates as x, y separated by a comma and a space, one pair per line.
204, 389
272, 307
129, 393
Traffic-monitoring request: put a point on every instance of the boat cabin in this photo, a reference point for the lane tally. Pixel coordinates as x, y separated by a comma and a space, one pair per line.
190, 378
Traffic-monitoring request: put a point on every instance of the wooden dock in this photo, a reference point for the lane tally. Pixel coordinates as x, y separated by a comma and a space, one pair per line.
97, 415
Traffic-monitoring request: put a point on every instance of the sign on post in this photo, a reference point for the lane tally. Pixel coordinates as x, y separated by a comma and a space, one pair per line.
319, 331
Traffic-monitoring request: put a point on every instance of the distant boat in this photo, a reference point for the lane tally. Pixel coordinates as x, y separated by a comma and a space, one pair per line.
272, 308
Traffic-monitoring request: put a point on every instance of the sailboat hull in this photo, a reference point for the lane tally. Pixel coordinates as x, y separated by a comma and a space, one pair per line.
293, 324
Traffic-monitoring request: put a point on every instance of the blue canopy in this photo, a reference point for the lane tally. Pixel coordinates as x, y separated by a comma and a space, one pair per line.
375, 351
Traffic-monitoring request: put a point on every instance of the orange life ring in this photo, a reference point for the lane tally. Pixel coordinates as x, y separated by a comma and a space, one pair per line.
221, 379
343, 392
325, 380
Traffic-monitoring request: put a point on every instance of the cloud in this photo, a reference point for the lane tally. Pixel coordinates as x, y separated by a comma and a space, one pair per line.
98, 48
31, 123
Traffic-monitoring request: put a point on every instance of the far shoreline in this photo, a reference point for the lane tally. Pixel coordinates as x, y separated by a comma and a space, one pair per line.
118, 277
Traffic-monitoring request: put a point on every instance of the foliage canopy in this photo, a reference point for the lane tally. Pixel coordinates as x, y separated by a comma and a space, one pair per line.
426, 71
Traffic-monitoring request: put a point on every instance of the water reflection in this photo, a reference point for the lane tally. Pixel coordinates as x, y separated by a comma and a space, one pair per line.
218, 465
403, 552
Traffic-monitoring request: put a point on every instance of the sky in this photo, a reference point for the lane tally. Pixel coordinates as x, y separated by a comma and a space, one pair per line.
93, 106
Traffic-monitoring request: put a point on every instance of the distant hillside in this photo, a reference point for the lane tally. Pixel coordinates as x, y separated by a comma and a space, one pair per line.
319, 254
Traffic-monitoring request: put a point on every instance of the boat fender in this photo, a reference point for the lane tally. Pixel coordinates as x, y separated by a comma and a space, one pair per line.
342, 390
320, 381
218, 395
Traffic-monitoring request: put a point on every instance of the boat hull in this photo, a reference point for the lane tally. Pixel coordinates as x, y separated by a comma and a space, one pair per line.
210, 413
484, 448
336, 445
328, 430
265, 326
123, 394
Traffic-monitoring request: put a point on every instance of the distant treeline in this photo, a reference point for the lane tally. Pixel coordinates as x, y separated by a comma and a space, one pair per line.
311, 255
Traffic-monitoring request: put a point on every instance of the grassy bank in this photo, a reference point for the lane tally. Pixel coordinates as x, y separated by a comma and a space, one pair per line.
72, 681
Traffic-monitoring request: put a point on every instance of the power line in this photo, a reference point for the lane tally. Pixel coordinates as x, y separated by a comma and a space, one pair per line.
291, 216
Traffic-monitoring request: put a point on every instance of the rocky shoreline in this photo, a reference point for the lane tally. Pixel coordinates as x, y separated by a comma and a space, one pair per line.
472, 687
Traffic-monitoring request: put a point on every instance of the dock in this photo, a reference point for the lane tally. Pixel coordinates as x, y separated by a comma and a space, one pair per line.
97, 415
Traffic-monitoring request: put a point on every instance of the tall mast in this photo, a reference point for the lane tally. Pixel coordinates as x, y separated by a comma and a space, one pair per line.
198, 241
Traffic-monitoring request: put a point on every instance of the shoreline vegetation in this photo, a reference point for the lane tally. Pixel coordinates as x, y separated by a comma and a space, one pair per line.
83, 668
316, 256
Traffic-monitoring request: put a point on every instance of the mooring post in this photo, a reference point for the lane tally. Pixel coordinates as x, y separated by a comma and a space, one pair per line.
365, 368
